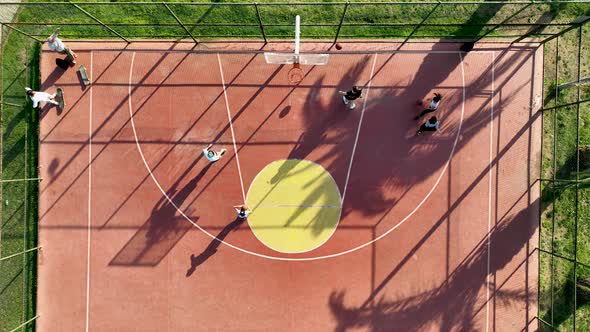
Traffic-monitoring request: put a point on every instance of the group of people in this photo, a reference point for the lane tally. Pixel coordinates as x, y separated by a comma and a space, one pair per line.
57, 45
348, 98
213, 156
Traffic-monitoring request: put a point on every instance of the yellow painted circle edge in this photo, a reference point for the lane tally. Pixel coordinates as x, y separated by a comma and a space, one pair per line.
339, 209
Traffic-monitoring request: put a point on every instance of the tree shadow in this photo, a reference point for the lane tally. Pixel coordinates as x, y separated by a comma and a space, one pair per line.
392, 172
389, 137
553, 191
568, 296
211, 249
453, 305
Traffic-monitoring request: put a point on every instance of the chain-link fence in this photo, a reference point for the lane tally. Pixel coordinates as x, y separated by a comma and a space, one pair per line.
268, 21
564, 246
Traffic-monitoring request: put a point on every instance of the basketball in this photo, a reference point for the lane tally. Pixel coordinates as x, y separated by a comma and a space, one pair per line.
338, 46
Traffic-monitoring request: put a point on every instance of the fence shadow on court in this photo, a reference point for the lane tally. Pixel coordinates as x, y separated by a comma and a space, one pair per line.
454, 304
160, 233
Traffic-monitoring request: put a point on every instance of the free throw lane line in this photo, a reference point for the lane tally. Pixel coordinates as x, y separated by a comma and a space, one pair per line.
231, 127
490, 173
89, 200
358, 129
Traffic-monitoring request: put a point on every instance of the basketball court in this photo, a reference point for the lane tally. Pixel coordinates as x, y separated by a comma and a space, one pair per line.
357, 223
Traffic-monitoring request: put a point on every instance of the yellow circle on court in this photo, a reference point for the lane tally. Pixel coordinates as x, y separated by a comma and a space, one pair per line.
295, 205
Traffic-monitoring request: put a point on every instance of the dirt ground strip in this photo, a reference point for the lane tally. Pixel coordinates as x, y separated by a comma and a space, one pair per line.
437, 232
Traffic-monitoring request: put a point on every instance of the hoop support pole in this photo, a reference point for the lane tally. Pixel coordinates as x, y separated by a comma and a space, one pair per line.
297, 33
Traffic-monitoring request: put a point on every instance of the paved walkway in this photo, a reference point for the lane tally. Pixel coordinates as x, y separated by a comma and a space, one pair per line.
7, 12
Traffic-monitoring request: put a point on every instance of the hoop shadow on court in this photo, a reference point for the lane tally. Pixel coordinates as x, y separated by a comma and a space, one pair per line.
160, 233
212, 247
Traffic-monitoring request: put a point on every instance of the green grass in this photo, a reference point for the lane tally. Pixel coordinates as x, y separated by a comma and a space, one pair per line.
246, 22
560, 155
19, 199
20, 122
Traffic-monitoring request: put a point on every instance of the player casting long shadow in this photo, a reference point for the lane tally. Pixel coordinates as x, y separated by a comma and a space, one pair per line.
161, 231
212, 247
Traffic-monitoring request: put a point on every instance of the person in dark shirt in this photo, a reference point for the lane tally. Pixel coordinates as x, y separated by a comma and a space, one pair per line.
348, 97
242, 211
430, 125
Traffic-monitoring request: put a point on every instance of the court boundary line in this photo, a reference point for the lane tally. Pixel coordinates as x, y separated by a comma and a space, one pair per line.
279, 258
302, 205
90, 133
231, 127
358, 129
490, 174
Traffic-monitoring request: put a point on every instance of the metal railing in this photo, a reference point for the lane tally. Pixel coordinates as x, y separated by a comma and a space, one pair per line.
564, 254
268, 21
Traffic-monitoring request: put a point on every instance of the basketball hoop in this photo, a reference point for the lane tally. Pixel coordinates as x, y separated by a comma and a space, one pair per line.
296, 74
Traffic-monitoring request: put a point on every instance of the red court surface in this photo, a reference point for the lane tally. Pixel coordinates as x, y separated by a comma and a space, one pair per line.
436, 233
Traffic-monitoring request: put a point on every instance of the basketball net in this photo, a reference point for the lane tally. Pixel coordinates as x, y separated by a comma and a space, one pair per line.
296, 74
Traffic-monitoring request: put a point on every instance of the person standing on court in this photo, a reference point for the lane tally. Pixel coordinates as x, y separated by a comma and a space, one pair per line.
55, 44
211, 155
40, 97
242, 211
432, 107
430, 125
348, 97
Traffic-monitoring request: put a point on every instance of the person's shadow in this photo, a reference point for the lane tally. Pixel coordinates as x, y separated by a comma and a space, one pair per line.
212, 247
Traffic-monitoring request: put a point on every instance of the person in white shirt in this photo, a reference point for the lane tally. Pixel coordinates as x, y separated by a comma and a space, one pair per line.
55, 44
40, 97
431, 125
211, 155
433, 106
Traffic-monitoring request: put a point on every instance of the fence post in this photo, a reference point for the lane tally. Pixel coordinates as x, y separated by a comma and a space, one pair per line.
554, 154
577, 175
260, 23
24, 324
24, 33
1, 108
503, 22
181, 24
97, 20
578, 22
341, 21
20, 253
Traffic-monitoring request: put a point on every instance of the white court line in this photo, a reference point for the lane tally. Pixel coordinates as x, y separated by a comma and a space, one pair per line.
358, 129
300, 206
490, 191
231, 127
278, 258
89, 199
